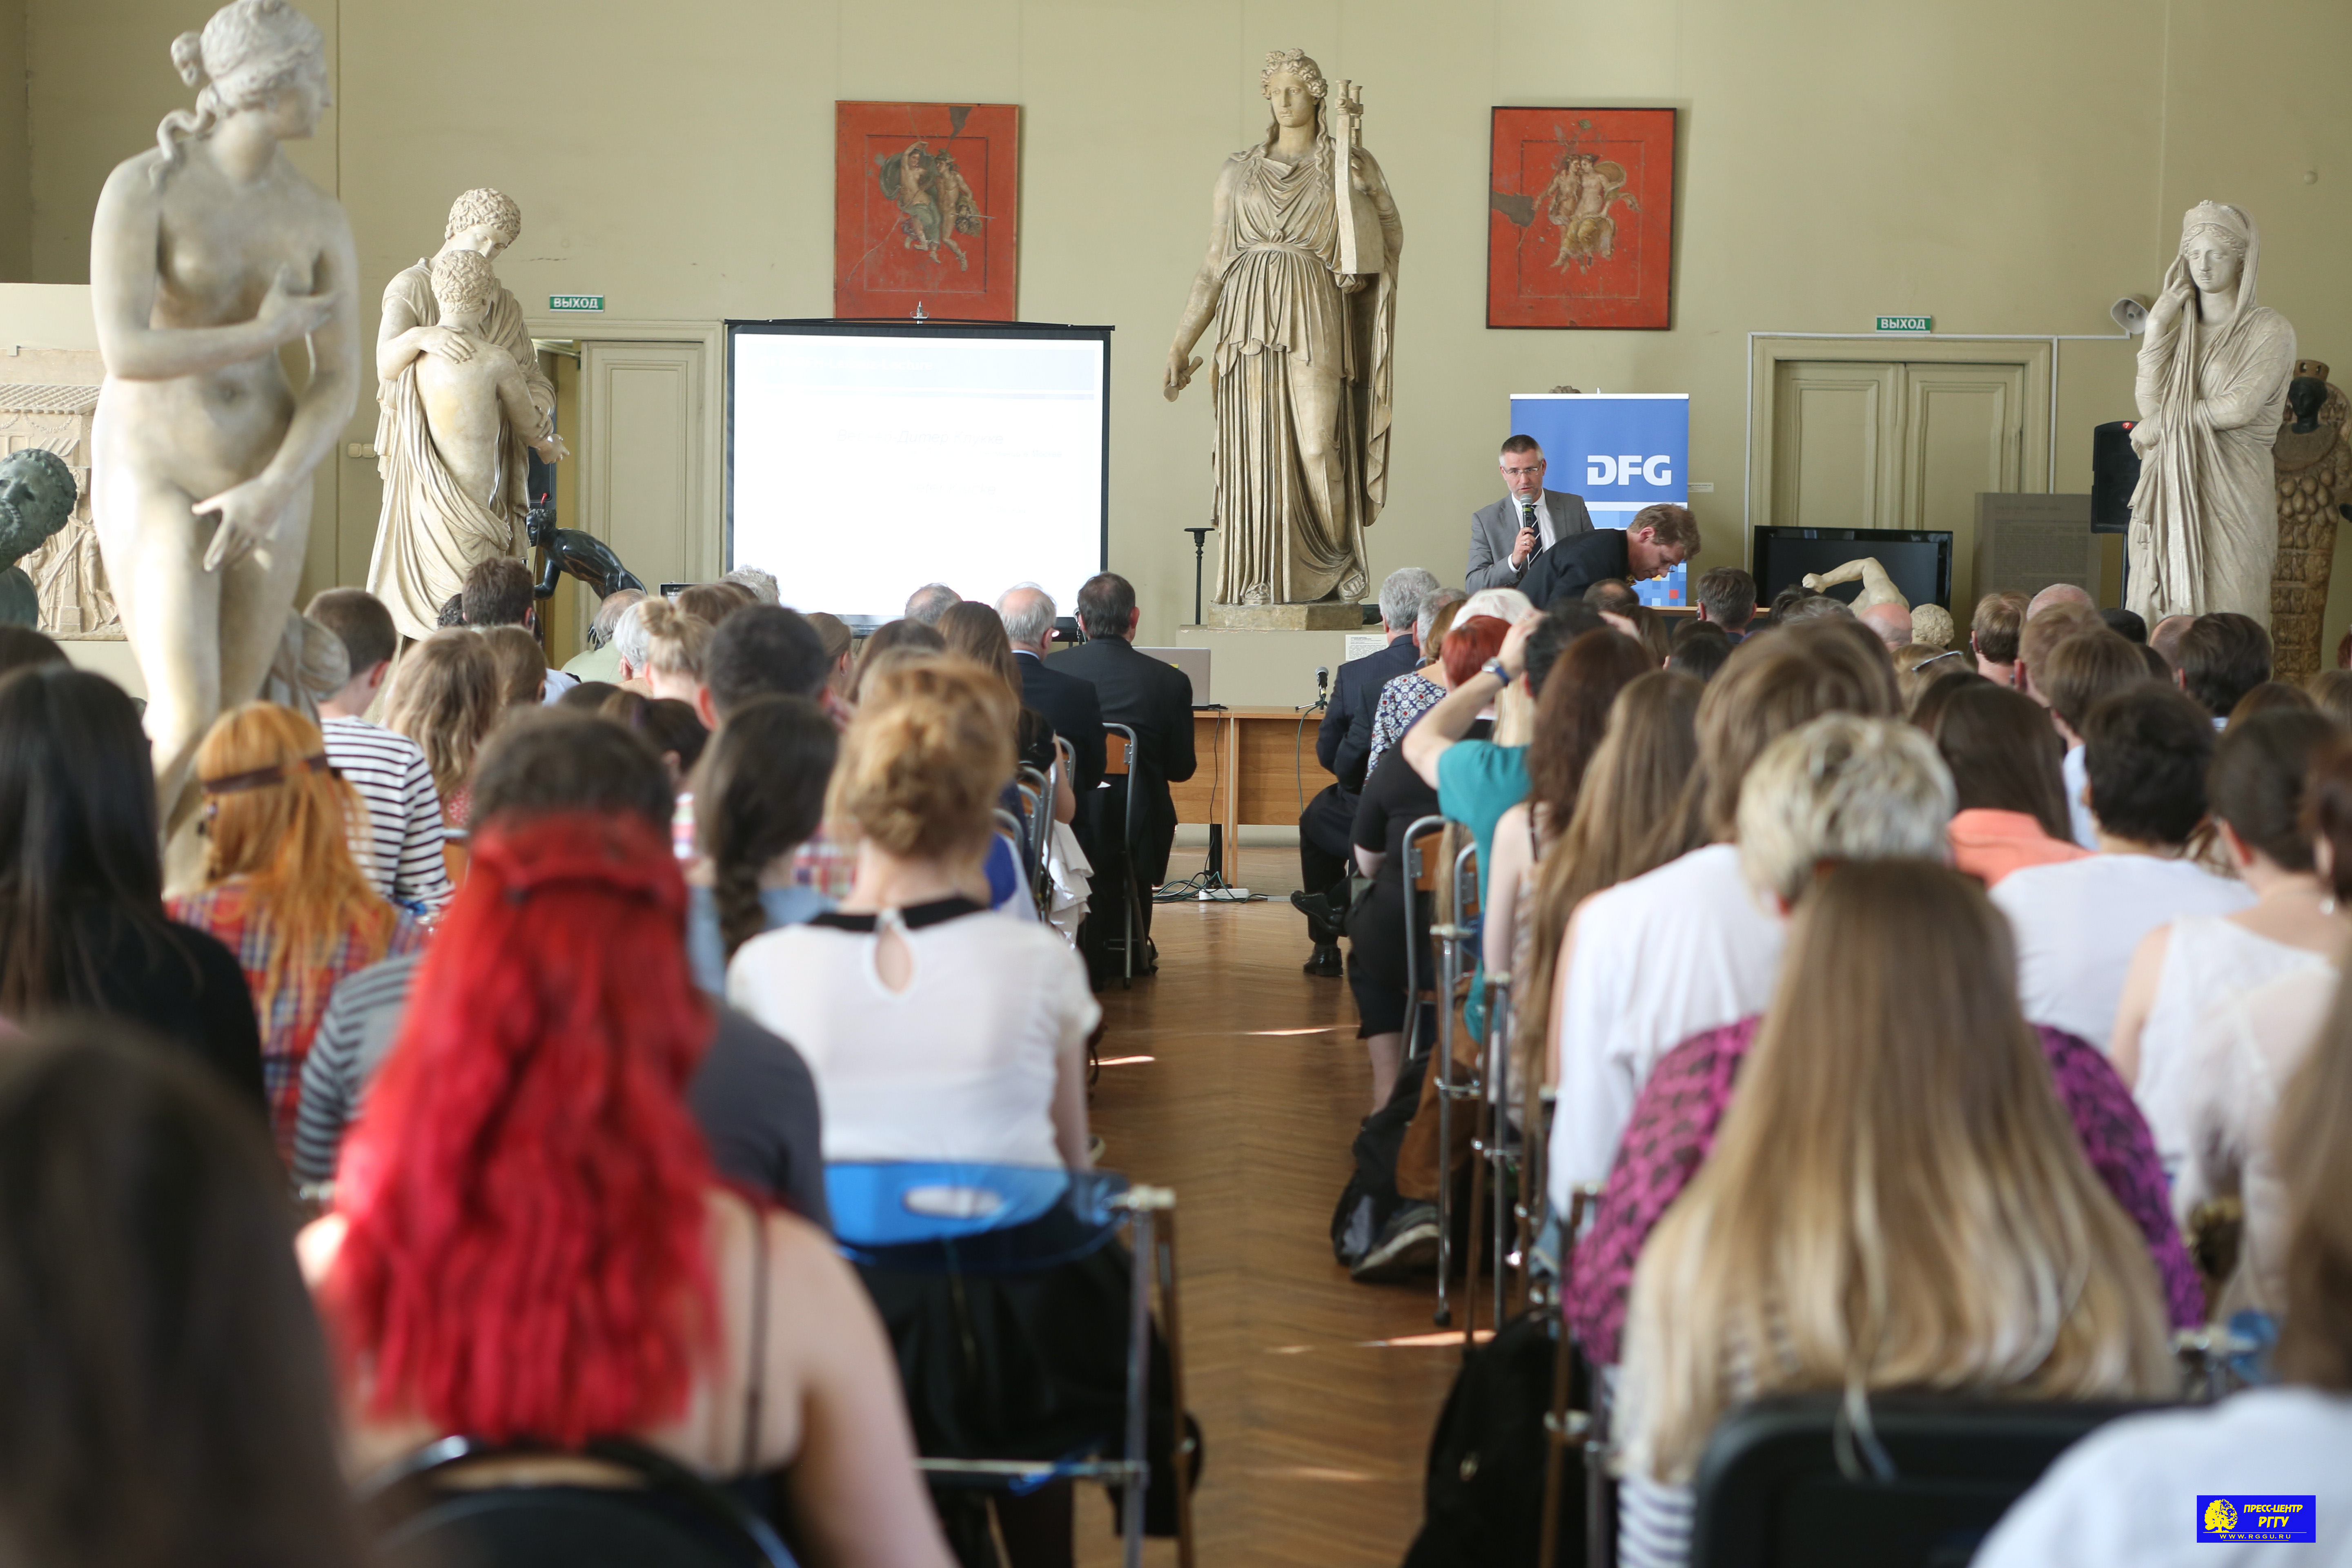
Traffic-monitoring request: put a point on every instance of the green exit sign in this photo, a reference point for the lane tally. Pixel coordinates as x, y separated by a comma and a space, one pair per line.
1906, 323
575, 301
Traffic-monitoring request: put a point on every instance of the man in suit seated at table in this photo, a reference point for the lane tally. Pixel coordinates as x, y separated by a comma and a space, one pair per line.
1507, 535
1068, 703
1342, 743
1659, 538
1155, 699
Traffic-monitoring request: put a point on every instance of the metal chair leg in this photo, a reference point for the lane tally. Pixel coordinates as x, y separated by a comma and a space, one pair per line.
1182, 1447
1481, 1131
1449, 964
1558, 1433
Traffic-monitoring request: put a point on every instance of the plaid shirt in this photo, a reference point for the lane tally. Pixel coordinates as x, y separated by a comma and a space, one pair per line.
227, 912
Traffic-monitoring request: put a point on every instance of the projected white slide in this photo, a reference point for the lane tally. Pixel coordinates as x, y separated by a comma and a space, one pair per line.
866, 466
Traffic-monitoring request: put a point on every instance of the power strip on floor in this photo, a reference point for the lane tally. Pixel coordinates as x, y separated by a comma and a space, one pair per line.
1225, 895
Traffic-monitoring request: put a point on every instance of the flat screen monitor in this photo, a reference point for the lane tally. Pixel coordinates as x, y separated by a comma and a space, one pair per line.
865, 459
1920, 562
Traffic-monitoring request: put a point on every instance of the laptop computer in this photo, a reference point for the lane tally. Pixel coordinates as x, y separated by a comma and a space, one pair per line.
1193, 662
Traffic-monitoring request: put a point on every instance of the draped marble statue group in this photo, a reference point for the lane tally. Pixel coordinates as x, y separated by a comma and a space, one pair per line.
2213, 372
461, 400
1300, 282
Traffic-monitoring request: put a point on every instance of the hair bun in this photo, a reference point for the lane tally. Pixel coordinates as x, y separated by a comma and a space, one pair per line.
188, 57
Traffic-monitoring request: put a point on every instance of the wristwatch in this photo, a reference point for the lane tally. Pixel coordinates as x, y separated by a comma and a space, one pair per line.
1493, 667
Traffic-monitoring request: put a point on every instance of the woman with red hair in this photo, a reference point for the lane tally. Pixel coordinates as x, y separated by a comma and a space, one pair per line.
530, 1243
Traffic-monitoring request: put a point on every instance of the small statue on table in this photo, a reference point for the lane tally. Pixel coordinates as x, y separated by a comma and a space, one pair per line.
36, 496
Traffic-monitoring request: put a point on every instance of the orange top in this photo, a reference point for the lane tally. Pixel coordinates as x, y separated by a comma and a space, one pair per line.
1989, 845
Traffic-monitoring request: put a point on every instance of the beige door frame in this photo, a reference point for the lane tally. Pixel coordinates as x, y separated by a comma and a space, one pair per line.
2037, 355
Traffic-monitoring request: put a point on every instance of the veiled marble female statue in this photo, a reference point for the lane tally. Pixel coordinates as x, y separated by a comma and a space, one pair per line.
1302, 365
424, 542
208, 254
2213, 370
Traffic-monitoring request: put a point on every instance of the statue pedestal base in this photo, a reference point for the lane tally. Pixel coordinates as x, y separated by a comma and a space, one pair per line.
1327, 615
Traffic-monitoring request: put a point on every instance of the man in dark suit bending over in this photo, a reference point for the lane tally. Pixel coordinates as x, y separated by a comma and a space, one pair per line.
1659, 538
1509, 534
1343, 742
1155, 700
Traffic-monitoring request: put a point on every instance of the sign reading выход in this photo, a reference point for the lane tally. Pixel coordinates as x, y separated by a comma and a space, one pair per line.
575, 301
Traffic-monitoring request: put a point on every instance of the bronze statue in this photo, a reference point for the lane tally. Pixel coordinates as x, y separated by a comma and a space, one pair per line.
2315, 476
36, 496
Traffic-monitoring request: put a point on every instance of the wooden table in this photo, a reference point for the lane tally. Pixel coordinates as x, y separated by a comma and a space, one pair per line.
1256, 766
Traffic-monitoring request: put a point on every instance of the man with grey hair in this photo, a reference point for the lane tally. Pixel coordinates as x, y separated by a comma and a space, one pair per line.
600, 660
1344, 745
929, 602
1068, 703
761, 583
634, 649
2059, 593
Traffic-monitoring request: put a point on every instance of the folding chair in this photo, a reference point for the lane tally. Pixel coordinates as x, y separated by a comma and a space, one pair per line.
1492, 1159
655, 1513
1794, 1480
1119, 762
959, 1218
1585, 1429
1451, 935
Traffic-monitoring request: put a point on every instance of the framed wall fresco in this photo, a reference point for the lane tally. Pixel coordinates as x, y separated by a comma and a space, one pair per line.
1579, 218
926, 210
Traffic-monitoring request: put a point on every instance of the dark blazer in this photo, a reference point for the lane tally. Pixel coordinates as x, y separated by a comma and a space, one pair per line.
1153, 699
1495, 528
1069, 704
1344, 740
1570, 567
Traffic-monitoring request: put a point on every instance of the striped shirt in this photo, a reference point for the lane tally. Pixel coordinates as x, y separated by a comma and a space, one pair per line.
362, 1021
400, 848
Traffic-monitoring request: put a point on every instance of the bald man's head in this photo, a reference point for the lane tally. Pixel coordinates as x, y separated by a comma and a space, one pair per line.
2059, 594
2166, 639
1891, 622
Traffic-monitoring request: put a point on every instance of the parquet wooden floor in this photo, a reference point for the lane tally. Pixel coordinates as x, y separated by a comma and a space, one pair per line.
1316, 1432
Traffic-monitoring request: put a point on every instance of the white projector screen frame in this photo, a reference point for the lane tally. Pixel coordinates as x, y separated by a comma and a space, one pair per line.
852, 518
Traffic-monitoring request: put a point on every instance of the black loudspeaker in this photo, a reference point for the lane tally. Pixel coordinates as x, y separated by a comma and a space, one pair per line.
2114, 474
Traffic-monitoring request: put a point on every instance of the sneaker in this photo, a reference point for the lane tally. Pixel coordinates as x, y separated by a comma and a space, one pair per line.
1407, 1246
1326, 963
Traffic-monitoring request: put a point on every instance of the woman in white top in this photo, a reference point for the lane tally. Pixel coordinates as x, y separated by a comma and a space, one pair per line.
1937, 1227
939, 1031
2185, 970
2241, 1055
2127, 1493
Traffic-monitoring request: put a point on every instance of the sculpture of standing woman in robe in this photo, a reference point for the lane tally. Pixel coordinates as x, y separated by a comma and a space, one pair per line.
2212, 373
208, 254
1302, 363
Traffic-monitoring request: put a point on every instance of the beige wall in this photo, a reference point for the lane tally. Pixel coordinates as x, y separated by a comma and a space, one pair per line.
15, 150
2006, 165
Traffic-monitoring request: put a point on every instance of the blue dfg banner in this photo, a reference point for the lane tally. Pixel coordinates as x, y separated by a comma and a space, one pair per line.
1619, 451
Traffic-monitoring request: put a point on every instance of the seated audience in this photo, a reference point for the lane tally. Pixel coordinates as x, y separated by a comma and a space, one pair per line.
22, 647
1649, 628
280, 889
772, 651
499, 593
1916, 664
2077, 923
400, 847
166, 1386
588, 697
2164, 638
890, 637
2126, 624
83, 926
2191, 965
521, 665
1993, 632
2331, 693
2073, 595
445, 698
2244, 1053
1725, 597
1889, 622
529, 1193
1068, 703
759, 797
1820, 608
939, 1031
762, 585
927, 603
2073, 677
840, 645
1407, 697
2044, 630
1843, 789
2271, 697
1652, 961
1699, 650
1394, 797
676, 642
668, 726
712, 603
1937, 1228
631, 650
974, 632
601, 659
1628, 819
750, 1093
2123, 1494
1611, 597
2008, 764
2220, 657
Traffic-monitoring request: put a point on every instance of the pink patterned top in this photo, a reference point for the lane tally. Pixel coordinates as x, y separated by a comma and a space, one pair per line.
1681, 1105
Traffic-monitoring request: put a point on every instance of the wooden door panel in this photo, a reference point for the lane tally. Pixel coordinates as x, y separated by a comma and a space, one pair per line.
1832, 445
643, 468
1963, 432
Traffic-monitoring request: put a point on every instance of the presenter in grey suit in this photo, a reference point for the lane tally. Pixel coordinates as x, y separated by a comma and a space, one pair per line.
1528, 521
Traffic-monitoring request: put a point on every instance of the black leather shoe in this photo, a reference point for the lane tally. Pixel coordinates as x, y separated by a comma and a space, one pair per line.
1327, 962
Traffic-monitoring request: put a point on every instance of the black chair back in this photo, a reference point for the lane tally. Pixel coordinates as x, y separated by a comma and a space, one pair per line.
1921, 1490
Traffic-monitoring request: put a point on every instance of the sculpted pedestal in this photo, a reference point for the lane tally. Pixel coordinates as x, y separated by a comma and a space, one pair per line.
2313, 464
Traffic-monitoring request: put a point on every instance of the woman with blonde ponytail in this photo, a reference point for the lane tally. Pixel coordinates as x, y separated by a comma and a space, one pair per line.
1896, 1199
208, 255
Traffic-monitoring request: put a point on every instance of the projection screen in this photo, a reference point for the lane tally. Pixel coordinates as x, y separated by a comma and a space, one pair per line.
865, 459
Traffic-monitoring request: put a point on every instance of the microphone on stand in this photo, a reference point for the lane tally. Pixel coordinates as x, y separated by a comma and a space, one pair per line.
1322, 687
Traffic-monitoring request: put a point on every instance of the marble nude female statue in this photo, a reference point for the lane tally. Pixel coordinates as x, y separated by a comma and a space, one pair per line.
2212, 372
1301, 369
209, 253
424, 545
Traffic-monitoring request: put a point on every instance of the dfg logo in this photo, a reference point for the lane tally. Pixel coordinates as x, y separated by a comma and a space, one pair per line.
1628, 468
